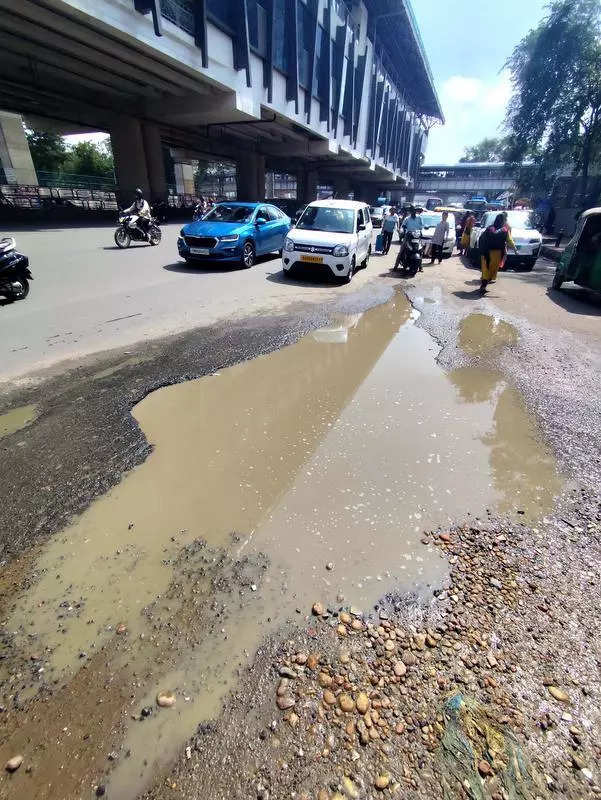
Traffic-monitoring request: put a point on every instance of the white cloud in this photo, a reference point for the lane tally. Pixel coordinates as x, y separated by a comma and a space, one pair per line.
459, 89
473, 109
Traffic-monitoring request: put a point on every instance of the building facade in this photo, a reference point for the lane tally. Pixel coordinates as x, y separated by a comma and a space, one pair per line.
332, 91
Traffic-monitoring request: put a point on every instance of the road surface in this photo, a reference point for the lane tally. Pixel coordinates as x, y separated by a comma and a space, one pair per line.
89, 296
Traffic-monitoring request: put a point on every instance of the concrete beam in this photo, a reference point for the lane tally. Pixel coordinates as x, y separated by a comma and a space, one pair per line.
204, 109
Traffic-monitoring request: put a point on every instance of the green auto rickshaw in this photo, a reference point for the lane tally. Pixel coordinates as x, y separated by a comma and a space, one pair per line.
581, 261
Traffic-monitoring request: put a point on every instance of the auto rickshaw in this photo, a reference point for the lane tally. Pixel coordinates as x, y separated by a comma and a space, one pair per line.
581, 260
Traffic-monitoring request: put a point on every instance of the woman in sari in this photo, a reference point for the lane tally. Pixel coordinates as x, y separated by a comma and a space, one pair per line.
468, 223
493, 249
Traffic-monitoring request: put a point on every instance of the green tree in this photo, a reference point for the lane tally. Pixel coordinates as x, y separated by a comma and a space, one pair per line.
489, 149
89, 158
48, 150
554, 115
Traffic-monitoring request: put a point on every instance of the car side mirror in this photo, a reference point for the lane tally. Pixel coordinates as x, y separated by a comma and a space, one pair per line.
360, 228
260, 221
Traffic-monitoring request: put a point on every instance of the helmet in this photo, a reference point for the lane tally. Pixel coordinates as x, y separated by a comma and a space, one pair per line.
139, 193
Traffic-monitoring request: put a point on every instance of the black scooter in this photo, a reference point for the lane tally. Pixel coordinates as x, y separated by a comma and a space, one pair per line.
409, 259
14, 271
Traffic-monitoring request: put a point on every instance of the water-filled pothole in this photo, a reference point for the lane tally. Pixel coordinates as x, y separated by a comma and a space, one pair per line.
329, 456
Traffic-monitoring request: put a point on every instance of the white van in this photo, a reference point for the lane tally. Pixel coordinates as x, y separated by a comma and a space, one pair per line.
334, 234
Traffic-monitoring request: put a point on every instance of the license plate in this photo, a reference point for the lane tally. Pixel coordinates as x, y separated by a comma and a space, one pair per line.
200, 251
312, 259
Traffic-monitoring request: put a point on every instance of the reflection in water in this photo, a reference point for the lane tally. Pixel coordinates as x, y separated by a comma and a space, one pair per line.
340, 448
480, 334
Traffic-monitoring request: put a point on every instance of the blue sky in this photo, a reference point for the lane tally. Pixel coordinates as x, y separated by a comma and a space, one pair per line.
467, 43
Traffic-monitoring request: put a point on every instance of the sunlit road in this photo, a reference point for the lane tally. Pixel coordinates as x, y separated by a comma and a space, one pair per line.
87, 295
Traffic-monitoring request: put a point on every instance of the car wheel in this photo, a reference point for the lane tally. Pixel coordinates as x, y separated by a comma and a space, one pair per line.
557, 280
529, 264
365, 261
348, 278
248, 255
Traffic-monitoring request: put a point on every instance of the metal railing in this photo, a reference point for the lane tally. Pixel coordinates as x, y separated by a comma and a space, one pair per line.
180, 13
66, 180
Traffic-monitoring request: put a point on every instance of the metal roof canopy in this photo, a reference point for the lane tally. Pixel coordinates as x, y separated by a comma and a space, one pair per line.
400, 37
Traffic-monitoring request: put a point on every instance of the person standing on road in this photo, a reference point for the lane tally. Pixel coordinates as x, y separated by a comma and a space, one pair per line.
438, 237
389, 226
493, 246
468, 223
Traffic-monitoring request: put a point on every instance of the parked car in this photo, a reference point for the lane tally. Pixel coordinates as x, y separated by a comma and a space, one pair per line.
527, 239
334, 234
234, 232
377, 215
430, 220
288, 205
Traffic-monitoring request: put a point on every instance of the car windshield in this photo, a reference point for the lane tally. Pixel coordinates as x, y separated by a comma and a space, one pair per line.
326, 218
430, 220
229, 213
520, 219
376, 211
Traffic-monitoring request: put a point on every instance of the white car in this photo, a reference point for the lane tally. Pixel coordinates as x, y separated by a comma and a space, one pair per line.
430, 220
333, 234
526, 238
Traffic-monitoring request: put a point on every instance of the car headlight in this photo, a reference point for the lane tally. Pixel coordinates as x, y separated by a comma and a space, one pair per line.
534, 241
289, 245
340, 250
233, 238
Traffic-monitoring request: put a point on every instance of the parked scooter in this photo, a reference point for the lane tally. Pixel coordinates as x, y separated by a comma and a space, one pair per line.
409, 259
129, 231
14, 271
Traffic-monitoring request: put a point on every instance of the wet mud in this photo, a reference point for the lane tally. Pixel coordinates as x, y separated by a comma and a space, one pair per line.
311, 471
16, 419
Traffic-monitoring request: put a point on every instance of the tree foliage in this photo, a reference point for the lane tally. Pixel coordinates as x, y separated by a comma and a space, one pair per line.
51, 154
48, 150
489, 149
89, 158
554, 115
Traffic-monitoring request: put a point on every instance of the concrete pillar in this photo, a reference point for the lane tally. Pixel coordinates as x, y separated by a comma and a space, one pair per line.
184, 177
14, 151
251, 177
130, 158
155, 165
307, 182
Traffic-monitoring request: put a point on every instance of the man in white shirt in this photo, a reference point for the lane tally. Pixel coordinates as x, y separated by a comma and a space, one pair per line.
438, 237
141, 211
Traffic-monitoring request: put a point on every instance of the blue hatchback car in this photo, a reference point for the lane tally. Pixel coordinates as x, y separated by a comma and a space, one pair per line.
234, 232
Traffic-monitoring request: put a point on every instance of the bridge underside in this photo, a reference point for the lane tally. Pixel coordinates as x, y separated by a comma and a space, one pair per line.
59, 71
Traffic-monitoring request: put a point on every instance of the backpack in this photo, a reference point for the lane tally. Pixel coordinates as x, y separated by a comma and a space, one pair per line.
492, 240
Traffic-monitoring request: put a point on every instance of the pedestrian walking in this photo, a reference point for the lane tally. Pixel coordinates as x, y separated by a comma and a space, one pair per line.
389, 225
493, 246
438, 237
469, 221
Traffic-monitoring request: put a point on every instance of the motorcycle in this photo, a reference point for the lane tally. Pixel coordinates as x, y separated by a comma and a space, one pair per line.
129, 231
14, 271
410, 256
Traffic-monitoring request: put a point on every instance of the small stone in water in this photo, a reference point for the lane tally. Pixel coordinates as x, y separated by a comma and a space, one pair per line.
165, 699
559, 694
382, 781
318, 609
121, 628
13, 764
330, 566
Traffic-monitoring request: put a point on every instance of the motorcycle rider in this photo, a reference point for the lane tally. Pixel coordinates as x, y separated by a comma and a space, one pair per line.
413, 222
141, 210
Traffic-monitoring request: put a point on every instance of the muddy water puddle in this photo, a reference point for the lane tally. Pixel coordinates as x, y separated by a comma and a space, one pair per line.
329, 457
480, 334
17, 418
